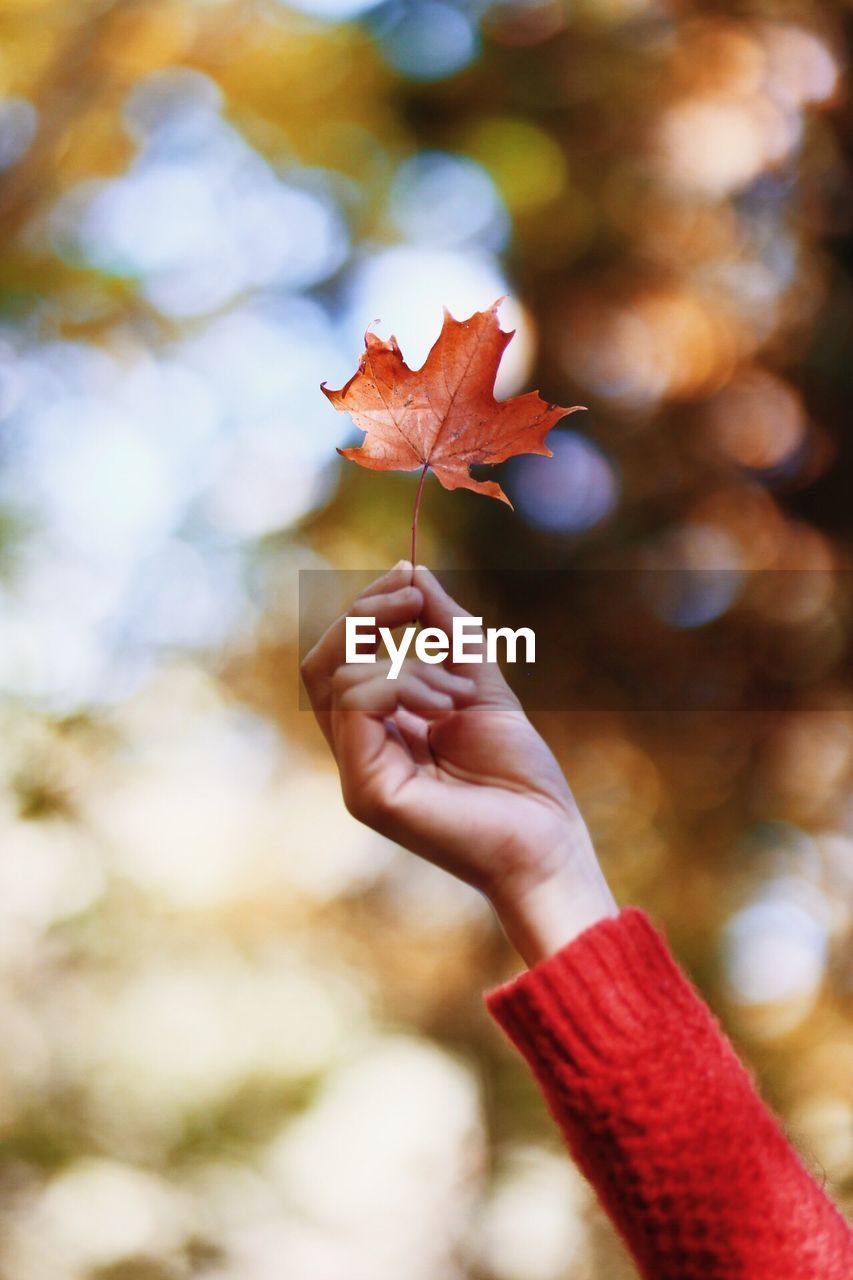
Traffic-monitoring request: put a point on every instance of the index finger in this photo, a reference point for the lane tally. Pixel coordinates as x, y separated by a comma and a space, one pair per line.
391, 600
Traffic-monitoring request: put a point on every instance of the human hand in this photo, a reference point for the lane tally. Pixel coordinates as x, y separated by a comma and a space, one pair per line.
448, 765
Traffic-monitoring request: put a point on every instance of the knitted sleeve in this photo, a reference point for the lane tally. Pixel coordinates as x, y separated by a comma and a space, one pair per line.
662, 1118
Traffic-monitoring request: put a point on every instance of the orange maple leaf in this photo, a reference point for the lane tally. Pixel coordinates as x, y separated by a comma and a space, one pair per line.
443, 417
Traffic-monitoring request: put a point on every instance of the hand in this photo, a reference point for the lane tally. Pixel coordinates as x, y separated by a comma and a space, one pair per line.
448, 765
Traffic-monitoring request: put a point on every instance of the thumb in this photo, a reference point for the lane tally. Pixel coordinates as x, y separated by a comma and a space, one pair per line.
439, 609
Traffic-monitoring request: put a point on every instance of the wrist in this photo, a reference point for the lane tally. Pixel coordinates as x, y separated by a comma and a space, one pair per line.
542, 917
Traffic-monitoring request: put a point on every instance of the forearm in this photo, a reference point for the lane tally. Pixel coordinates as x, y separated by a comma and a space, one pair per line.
662, 1117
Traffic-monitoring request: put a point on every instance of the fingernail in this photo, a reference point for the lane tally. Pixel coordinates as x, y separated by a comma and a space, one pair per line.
403, 564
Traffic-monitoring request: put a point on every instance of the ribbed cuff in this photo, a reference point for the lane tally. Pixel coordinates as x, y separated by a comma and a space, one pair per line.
602, 999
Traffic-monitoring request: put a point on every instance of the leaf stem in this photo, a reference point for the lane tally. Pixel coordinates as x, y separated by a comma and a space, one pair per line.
415, 514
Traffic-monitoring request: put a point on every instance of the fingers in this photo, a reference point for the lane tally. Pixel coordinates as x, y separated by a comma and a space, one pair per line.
368, 710
439, 610
394, 600
391, 600
426, 691
413, 731
399, 575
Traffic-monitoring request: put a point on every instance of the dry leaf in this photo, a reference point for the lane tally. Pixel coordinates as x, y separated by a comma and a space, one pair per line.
443, 416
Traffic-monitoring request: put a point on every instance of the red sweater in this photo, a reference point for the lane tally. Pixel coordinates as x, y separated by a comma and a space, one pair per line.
662, 1118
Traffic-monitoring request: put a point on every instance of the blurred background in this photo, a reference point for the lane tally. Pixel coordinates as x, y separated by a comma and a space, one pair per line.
242, 1036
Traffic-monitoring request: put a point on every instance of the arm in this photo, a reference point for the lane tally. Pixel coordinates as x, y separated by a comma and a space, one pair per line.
649, 1095
663, 1119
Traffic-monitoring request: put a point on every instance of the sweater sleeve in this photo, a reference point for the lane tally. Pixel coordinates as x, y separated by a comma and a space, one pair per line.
663, 1119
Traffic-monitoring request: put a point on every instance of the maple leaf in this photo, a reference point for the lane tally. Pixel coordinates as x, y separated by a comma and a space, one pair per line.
443, 417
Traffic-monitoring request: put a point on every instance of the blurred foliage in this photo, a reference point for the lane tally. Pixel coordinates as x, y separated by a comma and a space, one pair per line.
242, 1035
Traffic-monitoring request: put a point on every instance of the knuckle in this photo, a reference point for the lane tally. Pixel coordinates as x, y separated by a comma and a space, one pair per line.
349, 699
347, 680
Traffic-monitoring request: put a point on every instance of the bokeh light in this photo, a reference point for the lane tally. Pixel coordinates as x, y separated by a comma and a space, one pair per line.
447, 200
535, 1217
429, 40
756, 421
572, 492
431, 279
777, 949
526, 163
